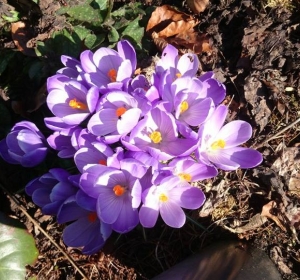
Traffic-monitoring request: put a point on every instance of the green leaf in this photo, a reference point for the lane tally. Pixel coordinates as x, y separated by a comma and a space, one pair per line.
113, 35
81, 31
62, 43
83, 13
134, 31
92, 41
17, 249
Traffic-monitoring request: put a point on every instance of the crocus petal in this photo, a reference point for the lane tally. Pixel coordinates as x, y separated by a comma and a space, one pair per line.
128, 218
126, 51
191, 198
103, 122
86, 59
188, 64
235, 133
34, 157
245, 157
148, 216
128, 120
222, 159
172, 214
109, 205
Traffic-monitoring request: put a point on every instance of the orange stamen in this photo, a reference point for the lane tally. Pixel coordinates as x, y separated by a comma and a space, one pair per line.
112, 74
119, 190
120, 111
92, 217
102, 162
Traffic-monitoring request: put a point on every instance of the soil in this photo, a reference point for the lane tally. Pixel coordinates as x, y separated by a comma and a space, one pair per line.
255, 52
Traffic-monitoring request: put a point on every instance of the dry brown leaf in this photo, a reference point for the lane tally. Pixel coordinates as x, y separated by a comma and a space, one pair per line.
192, 41
166, 22
169, 26
20, 33
197, 6
266, 213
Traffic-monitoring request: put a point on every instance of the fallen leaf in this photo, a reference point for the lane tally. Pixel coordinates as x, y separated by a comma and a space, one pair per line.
166, 22
197, 6
266, 212
169, 26
21, 34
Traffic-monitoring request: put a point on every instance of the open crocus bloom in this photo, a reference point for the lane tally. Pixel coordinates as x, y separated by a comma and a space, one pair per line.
70, 100
108, 66
117, 116
219, 144
167, 199
118, 195
157, 134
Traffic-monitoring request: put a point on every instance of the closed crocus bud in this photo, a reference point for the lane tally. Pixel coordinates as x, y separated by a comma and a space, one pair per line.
24, 145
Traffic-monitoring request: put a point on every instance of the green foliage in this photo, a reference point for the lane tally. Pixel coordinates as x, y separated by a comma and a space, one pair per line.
17, 249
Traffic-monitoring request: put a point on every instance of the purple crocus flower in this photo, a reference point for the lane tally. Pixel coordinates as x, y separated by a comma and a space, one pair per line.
157, 134
24, 145
70, 100
108, 66
186, 65
118, 195
50, 190
219, 144
168, 199
86, 230
72, 68
65, 141
118, 114
96, 153
188, 170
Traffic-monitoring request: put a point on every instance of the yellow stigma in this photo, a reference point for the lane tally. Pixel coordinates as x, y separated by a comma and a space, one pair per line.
112, 74
155, 136
163, 197
178, 75
74, 104
120, 111
185, 176
219, 144
184, 106
119, 190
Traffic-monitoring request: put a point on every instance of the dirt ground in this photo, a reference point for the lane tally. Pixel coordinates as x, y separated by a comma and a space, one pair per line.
255, 52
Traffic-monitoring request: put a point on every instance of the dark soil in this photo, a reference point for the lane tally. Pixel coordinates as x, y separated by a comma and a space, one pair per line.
256, 54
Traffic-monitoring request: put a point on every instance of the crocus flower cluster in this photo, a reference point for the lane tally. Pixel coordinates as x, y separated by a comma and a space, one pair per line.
139, 145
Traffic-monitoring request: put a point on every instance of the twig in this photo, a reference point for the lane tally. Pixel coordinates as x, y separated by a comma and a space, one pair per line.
277, 134
22, 208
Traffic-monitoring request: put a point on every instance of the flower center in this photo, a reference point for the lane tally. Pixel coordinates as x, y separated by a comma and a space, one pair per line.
120, 111
119, 190
219, 144
155, 136
92, 217
184, 106
163, 197
112, 74
74, 104
102, 162
178, 75
185, 176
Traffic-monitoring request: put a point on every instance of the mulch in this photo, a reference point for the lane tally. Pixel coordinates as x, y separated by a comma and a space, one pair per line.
256, 54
